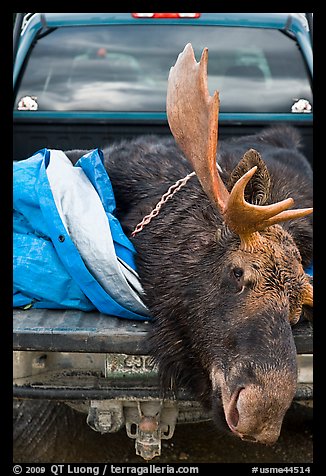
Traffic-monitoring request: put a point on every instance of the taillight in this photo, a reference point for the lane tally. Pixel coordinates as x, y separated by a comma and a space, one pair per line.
166, 15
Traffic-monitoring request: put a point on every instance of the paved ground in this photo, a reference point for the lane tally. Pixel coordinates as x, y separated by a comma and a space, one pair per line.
49, 432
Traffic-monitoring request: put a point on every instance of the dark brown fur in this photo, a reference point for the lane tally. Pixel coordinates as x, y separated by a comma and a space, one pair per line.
221, 316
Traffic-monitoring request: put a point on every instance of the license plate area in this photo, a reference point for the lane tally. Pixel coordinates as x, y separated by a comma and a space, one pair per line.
124, 366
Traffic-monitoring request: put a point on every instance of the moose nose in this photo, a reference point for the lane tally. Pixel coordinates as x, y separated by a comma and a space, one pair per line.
247, 424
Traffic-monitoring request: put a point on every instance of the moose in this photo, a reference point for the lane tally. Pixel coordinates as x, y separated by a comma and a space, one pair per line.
222, 259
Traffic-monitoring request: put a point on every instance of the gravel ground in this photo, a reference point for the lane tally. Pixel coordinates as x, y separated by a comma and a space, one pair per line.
51, 432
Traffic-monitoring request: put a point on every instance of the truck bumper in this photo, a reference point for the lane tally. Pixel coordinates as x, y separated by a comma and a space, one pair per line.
99, 365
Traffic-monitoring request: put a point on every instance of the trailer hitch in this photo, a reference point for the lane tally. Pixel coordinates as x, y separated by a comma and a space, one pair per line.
147, 422
154, 421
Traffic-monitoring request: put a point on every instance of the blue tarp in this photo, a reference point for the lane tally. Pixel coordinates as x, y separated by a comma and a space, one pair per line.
49, 271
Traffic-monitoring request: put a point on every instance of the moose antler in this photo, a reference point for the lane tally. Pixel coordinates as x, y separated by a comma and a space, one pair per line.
193, 119
193, 115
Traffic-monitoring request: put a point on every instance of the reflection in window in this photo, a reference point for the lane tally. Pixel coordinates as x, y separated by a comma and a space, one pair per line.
125, 68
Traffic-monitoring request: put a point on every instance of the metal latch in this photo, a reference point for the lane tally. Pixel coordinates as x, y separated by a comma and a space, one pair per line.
105, 416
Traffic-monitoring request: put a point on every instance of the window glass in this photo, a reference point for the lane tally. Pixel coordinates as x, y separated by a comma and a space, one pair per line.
125, 68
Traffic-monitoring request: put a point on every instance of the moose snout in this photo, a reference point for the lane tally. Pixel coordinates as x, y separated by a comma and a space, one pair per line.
254, 410
246, 414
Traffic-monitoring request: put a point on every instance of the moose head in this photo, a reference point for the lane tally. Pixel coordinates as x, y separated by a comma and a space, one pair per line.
231, 306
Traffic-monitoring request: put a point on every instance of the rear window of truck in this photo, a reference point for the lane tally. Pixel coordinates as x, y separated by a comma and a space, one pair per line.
125, 68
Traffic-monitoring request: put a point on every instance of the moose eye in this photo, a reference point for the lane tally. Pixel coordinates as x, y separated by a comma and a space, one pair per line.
238, 273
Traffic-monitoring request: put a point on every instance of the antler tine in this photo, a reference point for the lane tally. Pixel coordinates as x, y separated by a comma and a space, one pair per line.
193, 119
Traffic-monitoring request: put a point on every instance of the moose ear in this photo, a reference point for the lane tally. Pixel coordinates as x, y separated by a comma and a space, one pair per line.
307, 299
258, 189
307, 294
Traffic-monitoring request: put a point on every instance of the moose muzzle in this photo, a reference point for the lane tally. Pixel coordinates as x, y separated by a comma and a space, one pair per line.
255, 411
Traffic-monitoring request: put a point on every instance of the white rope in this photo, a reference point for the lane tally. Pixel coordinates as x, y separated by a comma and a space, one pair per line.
169, 194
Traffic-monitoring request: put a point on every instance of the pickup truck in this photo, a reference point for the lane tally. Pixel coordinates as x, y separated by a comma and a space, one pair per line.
83, 80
